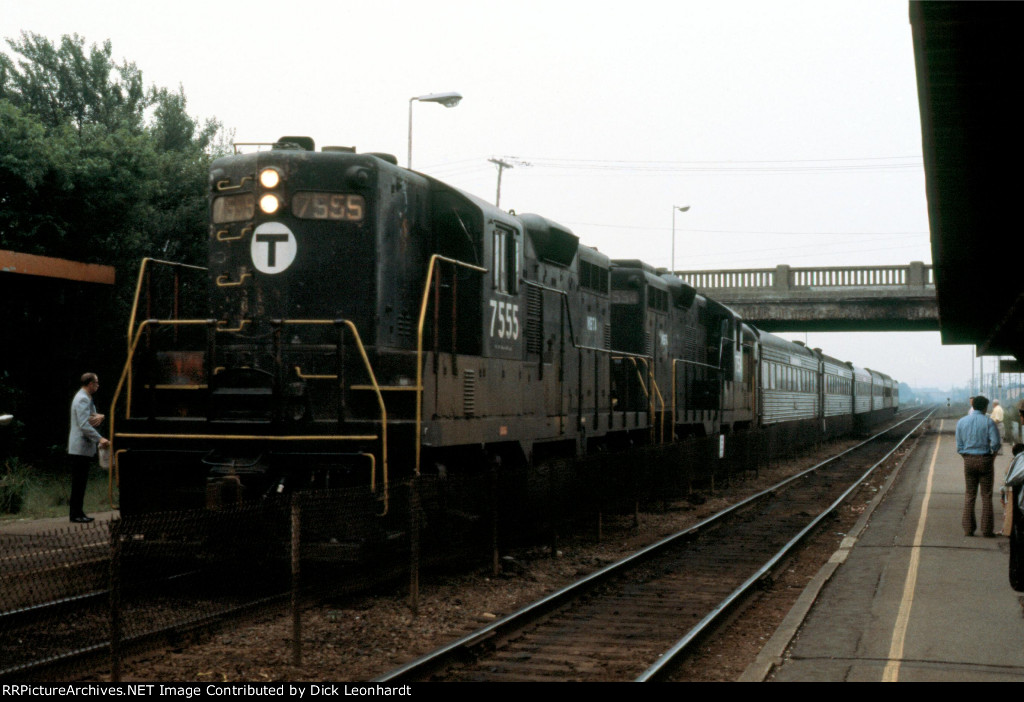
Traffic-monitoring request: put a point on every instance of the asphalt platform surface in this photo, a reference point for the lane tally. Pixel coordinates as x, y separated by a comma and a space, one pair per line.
908, 597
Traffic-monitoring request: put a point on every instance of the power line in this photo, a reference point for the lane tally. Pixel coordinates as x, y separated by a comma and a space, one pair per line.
878, 163
837, 165
750, 232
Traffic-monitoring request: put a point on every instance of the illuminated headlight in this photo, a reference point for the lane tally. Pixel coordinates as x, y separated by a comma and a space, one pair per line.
270, 178
269, 204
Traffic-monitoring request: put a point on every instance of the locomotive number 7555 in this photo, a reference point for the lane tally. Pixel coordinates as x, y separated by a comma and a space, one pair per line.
507, 316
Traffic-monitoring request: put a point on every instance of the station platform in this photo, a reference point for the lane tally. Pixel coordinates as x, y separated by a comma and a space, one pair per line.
908, 597
23, 527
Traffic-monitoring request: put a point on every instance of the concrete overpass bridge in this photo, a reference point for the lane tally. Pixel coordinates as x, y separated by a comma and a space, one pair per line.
855, 298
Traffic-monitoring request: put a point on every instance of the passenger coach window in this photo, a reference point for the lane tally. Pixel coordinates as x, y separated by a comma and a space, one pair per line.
505, 261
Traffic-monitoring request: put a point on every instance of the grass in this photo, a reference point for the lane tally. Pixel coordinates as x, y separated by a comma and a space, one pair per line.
45, 492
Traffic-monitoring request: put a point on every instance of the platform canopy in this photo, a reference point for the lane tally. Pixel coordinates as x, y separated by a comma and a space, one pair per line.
48, 267
969, 58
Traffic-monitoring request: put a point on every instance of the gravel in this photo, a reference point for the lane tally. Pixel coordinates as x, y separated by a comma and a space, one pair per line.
360, 638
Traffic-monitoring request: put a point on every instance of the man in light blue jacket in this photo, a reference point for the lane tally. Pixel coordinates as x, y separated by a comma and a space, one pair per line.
82, 442
978, 441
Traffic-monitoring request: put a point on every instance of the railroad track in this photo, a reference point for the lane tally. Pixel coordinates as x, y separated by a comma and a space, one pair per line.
42, 632
635, 619
59, 614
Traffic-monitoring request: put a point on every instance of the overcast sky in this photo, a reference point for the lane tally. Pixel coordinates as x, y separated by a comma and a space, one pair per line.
791, 129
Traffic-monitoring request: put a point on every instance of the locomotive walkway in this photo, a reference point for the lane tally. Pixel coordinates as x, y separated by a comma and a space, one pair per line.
854, 298
909, 598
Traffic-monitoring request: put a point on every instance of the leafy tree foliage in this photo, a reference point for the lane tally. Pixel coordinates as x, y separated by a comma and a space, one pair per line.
67, 84
94, 167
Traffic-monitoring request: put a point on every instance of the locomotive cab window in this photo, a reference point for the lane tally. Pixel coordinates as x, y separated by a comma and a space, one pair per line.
505, 260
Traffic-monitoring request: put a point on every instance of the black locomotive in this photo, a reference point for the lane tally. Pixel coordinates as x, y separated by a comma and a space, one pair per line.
362, 321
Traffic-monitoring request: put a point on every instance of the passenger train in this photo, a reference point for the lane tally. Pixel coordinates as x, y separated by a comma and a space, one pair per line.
360, 322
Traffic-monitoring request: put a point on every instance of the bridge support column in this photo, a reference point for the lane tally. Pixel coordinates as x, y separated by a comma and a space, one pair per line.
781, 282
915, 276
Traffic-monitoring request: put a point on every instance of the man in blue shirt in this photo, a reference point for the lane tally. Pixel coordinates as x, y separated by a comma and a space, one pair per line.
977, 440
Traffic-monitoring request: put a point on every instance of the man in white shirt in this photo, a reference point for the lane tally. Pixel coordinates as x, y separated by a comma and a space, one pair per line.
996, 415
82, 442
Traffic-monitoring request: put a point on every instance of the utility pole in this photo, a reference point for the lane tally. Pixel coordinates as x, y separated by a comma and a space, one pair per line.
502, 165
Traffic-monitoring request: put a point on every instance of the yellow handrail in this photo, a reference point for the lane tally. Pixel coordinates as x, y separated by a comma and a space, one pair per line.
305, 376
419, 345
125, 375
253, 437
222, 234
224, 281
675, 393
373, 382
225, 185
657, 393
613, 354
138, 294
126, 372
138, 287
240, 327
650, 396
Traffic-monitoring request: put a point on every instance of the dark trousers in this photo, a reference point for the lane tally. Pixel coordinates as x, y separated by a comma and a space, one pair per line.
978, 472
1016, 546
79, 477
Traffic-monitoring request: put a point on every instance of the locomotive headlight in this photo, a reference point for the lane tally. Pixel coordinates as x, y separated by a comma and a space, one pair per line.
270, 204
270, 178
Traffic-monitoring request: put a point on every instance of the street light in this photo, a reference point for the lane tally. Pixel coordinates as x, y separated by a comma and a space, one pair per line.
681, 208
446, 99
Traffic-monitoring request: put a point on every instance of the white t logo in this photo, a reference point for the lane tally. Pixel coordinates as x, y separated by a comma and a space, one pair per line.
273, 247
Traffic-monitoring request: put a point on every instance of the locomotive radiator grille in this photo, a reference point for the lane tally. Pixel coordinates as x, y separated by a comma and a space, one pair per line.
469, 392
690, 341
404, 325
534, 320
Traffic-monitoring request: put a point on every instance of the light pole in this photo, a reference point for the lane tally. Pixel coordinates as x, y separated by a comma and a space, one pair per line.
446, 99
681, 208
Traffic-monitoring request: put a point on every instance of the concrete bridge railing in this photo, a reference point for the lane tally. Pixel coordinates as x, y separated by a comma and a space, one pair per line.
781, 279
847, 298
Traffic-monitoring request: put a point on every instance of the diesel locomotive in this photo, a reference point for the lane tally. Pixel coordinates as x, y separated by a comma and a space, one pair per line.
360, 322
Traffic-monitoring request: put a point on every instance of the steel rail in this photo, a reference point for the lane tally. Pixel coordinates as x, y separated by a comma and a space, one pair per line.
660, 666
42, 608
522, 617
11, 617
151, 637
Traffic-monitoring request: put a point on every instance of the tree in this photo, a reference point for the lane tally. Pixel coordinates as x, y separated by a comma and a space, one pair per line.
94, 167
67, 84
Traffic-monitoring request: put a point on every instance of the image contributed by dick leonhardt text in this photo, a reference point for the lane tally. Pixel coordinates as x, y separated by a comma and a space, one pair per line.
180, 690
